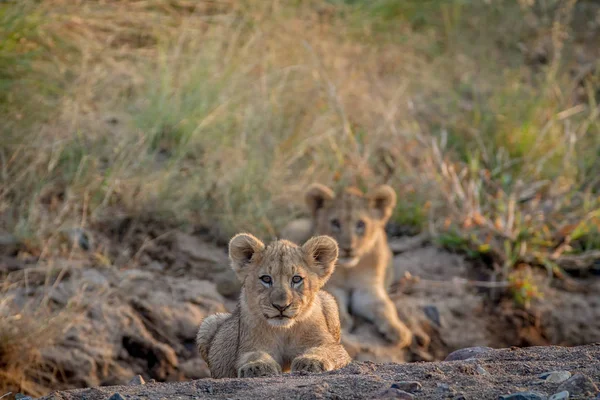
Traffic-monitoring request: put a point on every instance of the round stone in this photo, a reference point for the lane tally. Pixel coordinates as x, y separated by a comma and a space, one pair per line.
466, 353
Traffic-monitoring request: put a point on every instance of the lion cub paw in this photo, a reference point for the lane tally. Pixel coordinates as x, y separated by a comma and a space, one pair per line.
396, 333
309, 364
258, 368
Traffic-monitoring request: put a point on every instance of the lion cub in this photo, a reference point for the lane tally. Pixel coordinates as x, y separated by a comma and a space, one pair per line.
357, 222
283, 320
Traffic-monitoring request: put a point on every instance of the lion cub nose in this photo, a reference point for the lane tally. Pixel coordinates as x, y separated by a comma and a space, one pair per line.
281, 308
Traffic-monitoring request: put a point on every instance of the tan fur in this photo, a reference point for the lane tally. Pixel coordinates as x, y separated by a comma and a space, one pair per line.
364, 270
278, 326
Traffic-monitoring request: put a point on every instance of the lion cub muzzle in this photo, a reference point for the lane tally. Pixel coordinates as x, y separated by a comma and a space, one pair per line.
283, 313
348, 262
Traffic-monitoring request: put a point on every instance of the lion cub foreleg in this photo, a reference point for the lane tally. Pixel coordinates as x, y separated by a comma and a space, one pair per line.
321, 358
343, 301
257, 363
375, 305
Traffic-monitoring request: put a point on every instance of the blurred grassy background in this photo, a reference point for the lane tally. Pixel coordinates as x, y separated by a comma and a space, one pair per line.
482, 115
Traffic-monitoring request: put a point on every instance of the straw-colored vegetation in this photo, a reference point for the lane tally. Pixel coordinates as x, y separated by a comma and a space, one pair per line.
482, 115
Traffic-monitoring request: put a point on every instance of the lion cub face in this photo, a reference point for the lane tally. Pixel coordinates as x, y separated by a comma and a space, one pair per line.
281, 280
352, 218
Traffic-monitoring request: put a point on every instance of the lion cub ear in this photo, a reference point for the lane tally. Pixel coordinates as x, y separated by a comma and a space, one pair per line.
316, 195
242, 247
323, 253
383, 200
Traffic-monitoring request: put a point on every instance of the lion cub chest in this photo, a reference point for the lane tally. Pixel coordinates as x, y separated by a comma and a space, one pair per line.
286, 344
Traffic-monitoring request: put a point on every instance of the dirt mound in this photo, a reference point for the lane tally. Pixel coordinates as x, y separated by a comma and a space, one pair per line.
140, 316
570, 317
130, 321
454, 301
487, 375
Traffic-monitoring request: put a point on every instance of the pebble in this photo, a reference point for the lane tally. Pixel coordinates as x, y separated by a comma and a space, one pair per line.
116, 396
78, 236
408, 386
524, 396
579, 385
433, 314
466, 353
136, 380
459, 396
555, 376
445, 388
564, 395
482, 371
393, 393
20, 396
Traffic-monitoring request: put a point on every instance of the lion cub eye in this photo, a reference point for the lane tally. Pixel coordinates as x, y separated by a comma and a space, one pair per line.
335, 224
296, 279
266, 279
360, 227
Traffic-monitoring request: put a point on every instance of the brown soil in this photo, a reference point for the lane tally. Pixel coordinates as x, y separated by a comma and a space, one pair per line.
485, 376
140, 315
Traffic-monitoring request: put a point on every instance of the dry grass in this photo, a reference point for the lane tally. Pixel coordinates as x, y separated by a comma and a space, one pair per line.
23, 369
24, 334
218, 113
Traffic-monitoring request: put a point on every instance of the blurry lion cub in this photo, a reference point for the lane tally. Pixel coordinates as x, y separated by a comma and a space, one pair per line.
283, 320
356, 221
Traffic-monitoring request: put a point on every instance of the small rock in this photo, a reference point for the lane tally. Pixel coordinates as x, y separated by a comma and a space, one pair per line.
10, 246
8, 240
466, 353
227, 284
393, 393
524, 396
555, 376
459, 396
199, 250
116, 396
433, 314
136, 380
481, 371
20, 396
156, 266
93, 278
195, 368
579, 385
408, 386
77, 236
564, 395
445, 388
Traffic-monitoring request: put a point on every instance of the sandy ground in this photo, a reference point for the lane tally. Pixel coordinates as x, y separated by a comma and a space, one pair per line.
487, 375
